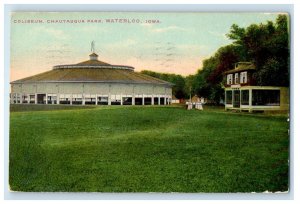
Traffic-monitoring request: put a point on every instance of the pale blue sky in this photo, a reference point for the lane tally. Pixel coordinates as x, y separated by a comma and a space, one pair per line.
177, 44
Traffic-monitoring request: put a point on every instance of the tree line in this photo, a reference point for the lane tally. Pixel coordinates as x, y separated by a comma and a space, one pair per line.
266, 45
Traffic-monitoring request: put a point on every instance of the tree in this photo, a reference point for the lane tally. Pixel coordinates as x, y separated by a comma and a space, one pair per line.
178, 89
209, 79
267, 46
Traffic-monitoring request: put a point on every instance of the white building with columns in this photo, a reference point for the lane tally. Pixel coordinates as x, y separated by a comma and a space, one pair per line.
91, 82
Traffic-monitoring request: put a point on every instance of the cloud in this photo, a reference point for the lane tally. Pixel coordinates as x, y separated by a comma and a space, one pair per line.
126, 44
56, 33
146, 24
167, 29
219, 35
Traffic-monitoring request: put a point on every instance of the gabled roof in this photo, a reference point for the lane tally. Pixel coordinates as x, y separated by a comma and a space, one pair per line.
241, 66
93, 55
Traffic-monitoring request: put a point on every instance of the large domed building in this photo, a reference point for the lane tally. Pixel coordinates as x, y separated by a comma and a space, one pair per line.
91, 82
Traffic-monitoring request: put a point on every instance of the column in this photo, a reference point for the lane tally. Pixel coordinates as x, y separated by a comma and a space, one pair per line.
21, 98
158, 100
133, 96
96, 103
109, 99
58, 99
46, 98
152, 100
165, 99
250, 97
121, 99
83, 99
11, 98
16, 98
143, 99
28, 98
71, 99
35, 98
133, 99
250, 100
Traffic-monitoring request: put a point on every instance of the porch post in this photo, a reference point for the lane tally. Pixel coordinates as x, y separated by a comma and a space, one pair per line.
250, 100
46, 98
250, 97
232, 97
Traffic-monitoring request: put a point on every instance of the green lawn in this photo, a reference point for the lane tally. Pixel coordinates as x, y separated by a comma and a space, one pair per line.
147, 149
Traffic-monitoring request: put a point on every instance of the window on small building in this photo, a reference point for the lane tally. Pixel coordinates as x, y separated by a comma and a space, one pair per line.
229, 79
236, 78
228, 96
245, 97
243, 77
265, 97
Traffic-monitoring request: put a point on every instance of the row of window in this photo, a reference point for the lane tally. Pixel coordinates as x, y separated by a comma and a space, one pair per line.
259, 97
239, 78
91, 99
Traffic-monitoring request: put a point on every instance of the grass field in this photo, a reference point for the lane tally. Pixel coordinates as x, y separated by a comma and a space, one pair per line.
146, 149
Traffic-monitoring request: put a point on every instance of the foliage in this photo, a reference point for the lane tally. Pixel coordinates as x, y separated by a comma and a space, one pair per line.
179, 88
266, 45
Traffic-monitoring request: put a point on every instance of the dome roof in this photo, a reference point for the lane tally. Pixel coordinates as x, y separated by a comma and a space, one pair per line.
92, 70
93, 63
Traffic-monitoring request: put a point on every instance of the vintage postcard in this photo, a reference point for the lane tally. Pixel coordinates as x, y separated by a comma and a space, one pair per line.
149, 102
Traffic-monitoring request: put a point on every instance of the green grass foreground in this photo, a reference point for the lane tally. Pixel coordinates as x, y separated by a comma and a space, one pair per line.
147, 149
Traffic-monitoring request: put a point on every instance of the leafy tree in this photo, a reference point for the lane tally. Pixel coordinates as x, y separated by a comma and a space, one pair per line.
178, 89
267, 46
209, 79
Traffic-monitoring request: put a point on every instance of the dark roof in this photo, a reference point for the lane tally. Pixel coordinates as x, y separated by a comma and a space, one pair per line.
91, 75
241, 66
93, 55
